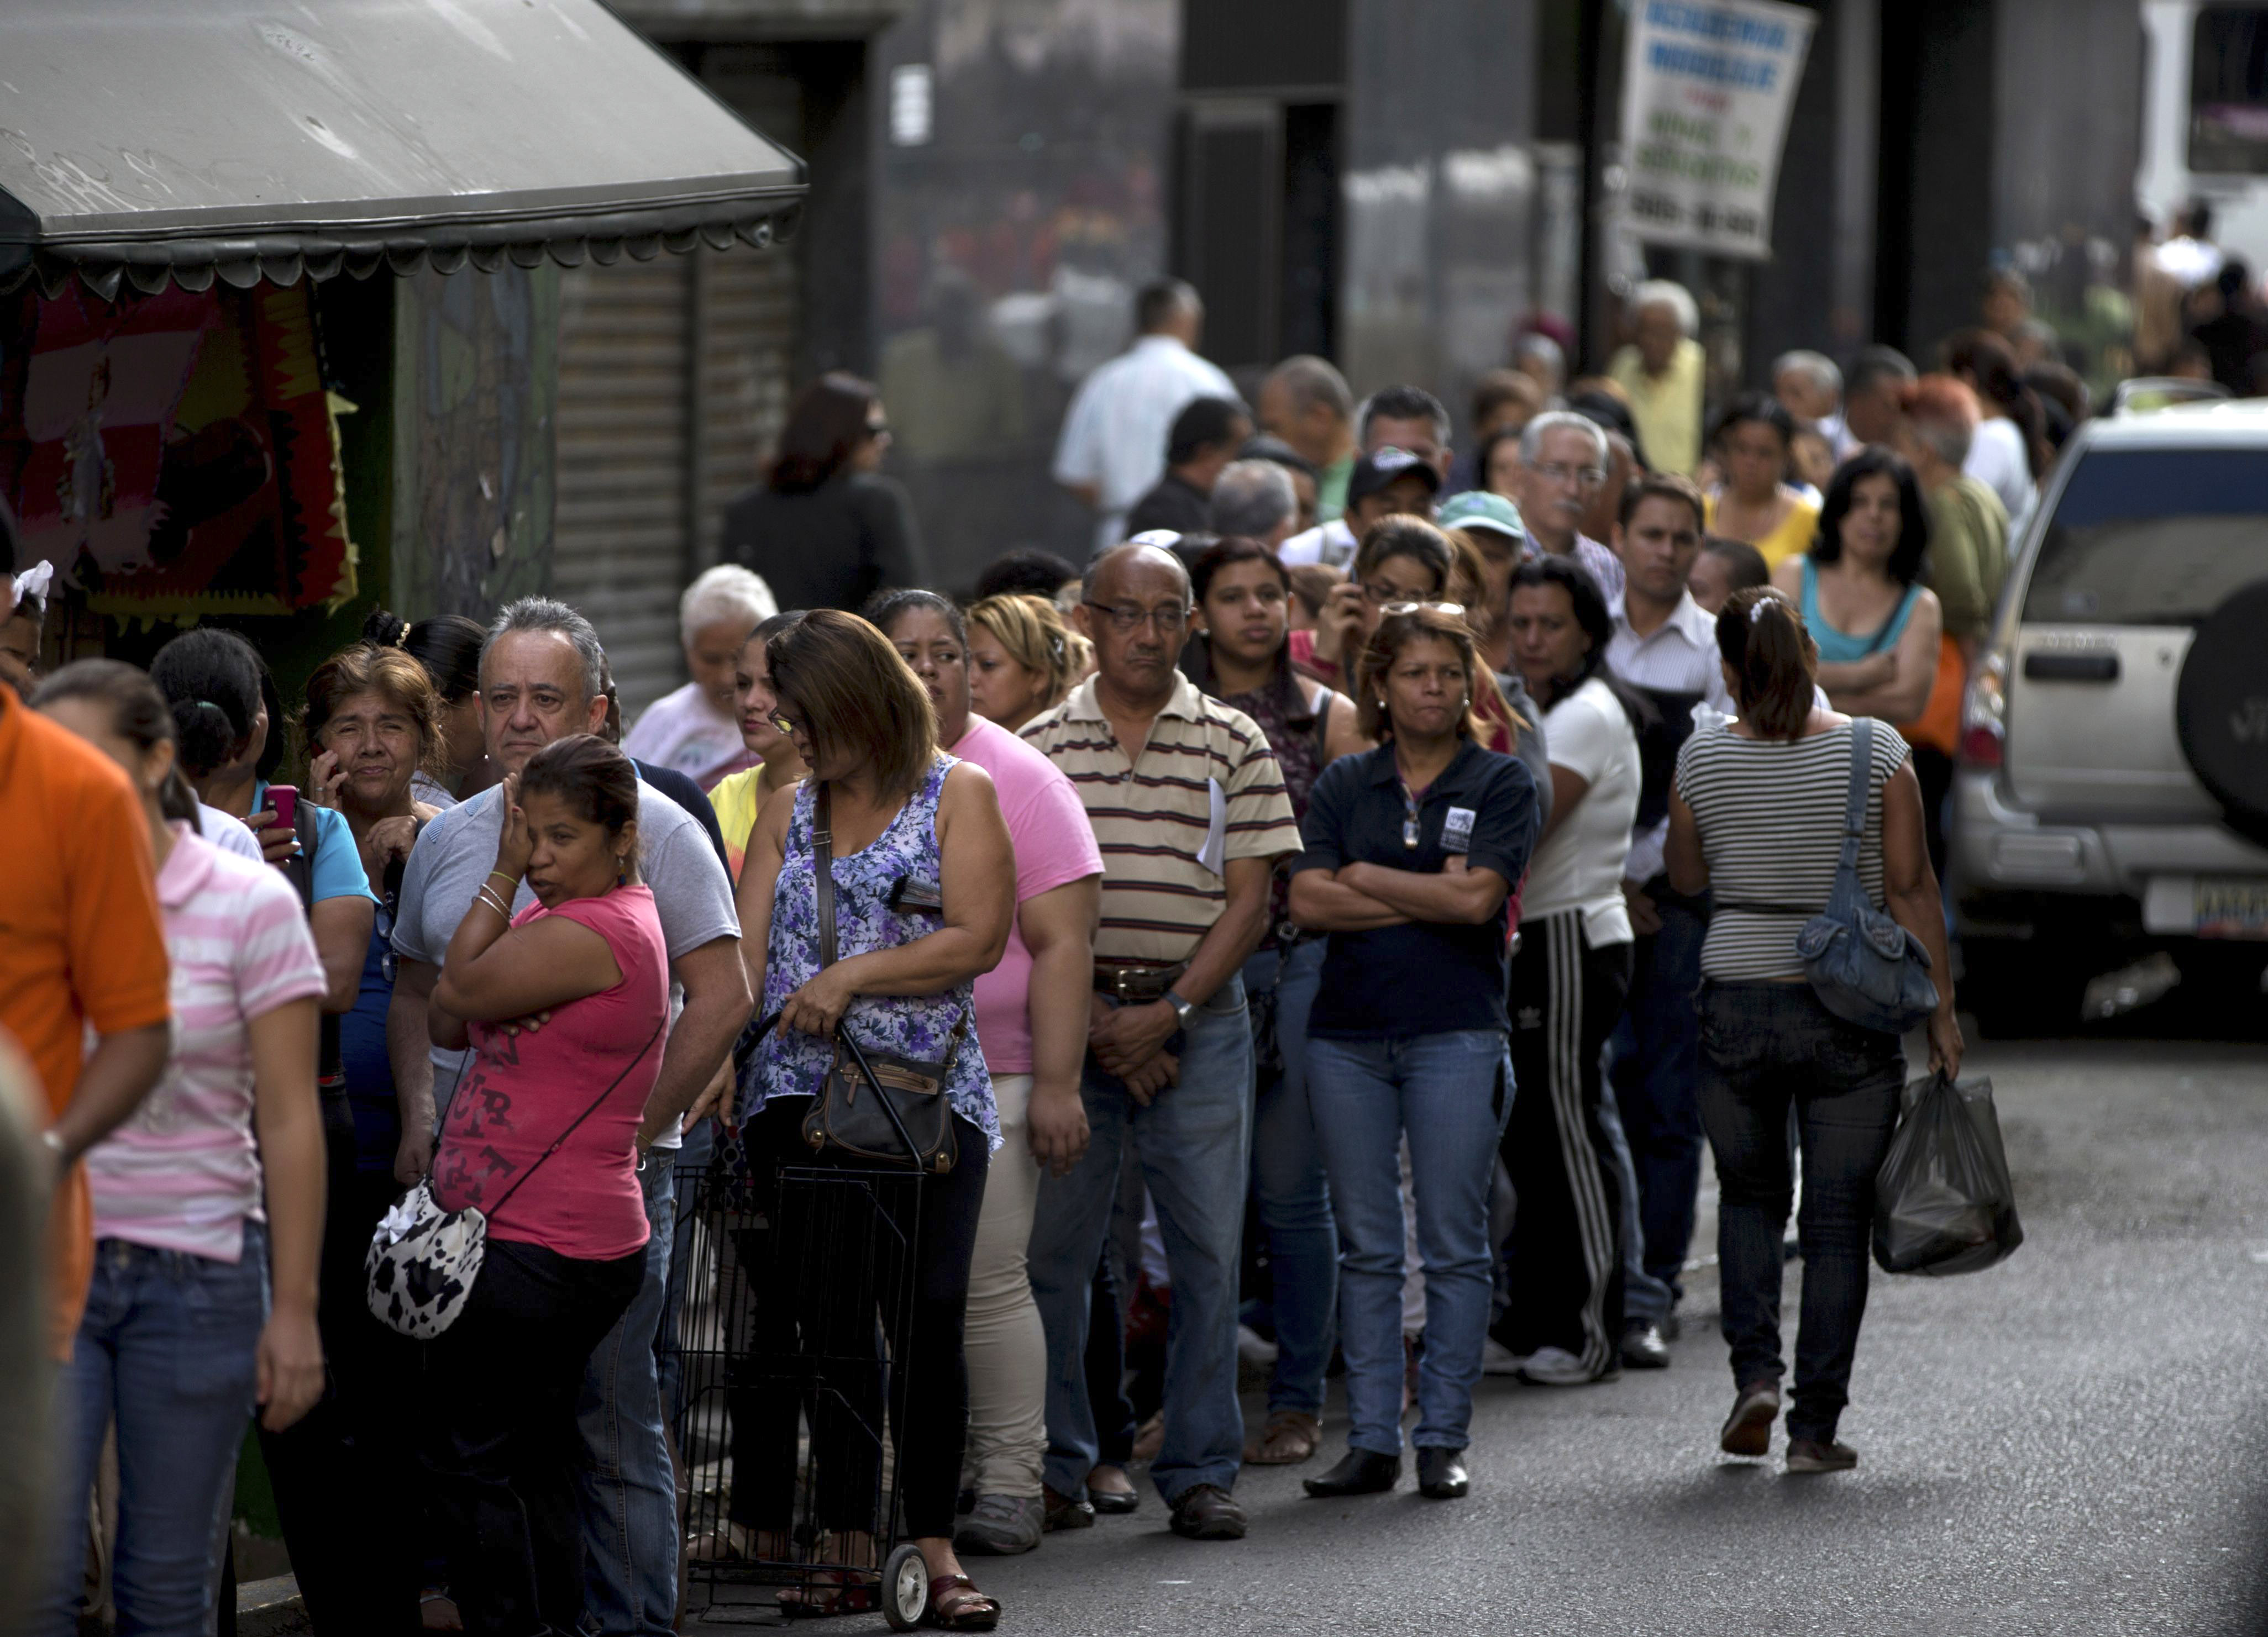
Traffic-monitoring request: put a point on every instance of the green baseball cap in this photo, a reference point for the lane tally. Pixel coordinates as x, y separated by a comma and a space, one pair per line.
1477, 508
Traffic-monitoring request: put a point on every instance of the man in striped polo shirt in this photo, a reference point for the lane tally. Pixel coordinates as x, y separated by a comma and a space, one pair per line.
1189, 810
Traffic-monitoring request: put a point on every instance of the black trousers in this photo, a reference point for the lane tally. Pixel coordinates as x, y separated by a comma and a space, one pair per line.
501, 1446
352, 1511
825, 1294
1566, 1266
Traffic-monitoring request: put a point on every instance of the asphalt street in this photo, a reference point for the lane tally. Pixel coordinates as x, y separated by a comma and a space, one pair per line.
2075, 1442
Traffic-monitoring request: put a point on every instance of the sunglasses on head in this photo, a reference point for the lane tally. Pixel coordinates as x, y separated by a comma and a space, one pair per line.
1456, 610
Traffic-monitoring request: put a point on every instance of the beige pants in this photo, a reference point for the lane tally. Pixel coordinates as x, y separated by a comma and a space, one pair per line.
1007, 1350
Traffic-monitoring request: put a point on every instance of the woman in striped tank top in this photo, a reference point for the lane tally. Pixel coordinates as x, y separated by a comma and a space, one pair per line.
1756, 818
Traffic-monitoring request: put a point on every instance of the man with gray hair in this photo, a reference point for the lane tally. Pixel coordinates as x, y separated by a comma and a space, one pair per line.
1662, 372
1872, 390
1562, 466
542, 679
1254, 498
1810, 388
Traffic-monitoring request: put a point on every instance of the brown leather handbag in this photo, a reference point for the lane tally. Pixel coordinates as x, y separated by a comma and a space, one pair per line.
875, 1106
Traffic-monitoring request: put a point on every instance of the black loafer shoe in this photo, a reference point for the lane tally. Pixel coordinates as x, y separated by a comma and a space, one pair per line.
1208, 1513
1360, 1472
1441, 1475
1113, 1502
1643, 1348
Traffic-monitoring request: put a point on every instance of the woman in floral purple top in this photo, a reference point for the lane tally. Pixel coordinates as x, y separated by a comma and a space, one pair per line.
901, 983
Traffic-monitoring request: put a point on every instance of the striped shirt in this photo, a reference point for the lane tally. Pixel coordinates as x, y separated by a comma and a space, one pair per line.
1163, 857
183, 1172
1771, 816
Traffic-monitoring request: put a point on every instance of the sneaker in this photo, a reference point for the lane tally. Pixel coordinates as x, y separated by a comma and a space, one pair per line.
1499, 1360
1748, 1430
1556, 1366
1643, 1348
1001, 1526
1808, 1455
1254, 1348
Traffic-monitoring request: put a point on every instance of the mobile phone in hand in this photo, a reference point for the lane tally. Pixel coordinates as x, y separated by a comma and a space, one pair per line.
285, 798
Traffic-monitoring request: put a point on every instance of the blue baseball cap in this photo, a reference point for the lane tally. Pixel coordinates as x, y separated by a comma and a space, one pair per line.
1476, 508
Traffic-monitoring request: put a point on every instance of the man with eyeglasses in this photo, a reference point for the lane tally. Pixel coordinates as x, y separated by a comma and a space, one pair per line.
1190, 812
1563, 463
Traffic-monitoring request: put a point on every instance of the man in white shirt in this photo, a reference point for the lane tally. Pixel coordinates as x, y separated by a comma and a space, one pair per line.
1113, 444
1664, 645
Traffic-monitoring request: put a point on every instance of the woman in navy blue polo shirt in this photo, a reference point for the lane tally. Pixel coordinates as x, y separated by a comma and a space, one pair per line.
1411, 852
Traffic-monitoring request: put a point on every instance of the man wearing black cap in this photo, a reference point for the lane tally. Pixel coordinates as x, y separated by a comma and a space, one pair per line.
1384, 482
1204, 439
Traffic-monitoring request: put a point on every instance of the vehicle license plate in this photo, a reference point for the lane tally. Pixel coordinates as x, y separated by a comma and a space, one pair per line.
2232, 907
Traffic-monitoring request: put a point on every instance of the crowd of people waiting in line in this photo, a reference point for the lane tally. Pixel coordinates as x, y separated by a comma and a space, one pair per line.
1424, 869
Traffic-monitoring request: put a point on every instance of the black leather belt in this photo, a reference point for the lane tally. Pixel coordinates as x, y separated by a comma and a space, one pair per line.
1125, 982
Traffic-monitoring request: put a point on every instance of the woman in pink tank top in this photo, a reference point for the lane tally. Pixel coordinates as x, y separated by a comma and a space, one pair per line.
564, 1007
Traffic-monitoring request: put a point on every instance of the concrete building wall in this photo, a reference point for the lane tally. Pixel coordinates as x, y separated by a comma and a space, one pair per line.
1439, 189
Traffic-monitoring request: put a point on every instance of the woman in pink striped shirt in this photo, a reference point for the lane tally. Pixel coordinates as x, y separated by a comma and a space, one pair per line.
210, 1192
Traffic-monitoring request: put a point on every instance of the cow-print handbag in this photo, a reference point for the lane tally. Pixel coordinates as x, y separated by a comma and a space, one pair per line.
423, 1260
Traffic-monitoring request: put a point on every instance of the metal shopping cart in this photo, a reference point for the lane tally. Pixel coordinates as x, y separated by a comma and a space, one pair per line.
793, 1328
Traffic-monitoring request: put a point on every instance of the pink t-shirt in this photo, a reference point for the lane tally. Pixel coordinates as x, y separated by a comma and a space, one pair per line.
182, 1173
524, 1090
1054, 844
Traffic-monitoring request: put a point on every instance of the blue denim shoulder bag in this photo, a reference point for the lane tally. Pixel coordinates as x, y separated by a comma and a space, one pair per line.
1863, 965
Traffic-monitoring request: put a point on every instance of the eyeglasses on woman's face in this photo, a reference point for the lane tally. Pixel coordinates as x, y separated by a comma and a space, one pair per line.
782, 725
1126, 619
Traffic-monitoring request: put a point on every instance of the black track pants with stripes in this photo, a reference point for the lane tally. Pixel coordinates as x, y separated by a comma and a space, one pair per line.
1565, 1266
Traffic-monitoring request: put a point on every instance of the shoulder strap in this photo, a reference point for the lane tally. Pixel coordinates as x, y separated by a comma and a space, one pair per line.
1855, 803
822, 864
1322, 729
561, 1141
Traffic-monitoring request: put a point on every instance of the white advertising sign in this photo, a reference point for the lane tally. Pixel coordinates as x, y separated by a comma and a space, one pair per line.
1706, 91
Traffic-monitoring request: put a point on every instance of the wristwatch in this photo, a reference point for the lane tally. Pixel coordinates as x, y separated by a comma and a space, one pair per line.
1182, 1008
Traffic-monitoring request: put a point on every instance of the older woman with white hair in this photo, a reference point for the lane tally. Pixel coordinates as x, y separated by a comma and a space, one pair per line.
1662, 372
695, 730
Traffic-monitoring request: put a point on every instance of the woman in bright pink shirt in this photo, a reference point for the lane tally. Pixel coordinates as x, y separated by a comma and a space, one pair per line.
1031, 1019
562, 1005
180, 1340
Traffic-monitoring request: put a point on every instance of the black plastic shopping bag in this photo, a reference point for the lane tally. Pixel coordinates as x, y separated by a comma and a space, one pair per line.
1944, 1202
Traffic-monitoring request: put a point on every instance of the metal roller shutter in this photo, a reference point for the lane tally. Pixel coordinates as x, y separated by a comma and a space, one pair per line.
675, 377
618, 545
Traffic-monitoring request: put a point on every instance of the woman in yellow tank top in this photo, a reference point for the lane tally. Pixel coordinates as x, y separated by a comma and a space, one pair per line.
1751, 440
739, 797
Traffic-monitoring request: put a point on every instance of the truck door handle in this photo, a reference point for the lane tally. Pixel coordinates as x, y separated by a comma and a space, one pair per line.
2048, 666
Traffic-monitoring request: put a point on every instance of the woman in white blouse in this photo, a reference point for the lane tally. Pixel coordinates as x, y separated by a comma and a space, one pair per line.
1569, 976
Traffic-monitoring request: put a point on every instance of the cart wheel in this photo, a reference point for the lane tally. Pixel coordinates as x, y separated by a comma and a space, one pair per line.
905, 1588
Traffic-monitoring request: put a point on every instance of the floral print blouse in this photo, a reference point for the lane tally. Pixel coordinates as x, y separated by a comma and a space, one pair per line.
906, 1025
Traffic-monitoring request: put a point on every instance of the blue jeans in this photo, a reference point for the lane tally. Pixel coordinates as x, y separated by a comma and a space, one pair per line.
168, 1349
1288, 1174
1645, 1299
1766, 1046
628, 1485
1194, 1142
1448, 1094
1655, 1066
